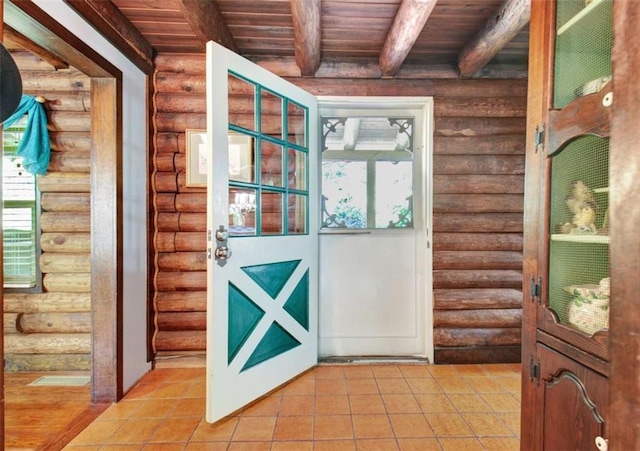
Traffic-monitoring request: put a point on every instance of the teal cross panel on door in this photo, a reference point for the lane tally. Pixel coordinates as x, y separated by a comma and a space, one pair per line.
275, 342
273, 276
244, 316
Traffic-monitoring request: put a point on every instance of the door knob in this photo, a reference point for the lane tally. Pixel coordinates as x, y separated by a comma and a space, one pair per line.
221, 234
222, 253
602, 444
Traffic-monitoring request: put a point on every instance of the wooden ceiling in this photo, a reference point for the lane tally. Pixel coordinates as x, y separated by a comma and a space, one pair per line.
339, 38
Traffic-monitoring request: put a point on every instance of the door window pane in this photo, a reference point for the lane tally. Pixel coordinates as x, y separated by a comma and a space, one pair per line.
272, 219
271, 163
344, 194
297, 121
297, 169
394, 194
242, 105
241, 158
242, 211
297, 214
271, 114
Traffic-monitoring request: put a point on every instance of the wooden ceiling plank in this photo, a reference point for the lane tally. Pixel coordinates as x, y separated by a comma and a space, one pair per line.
21, 40
407, 26
501, 28
207, 23
115, 26
306, 29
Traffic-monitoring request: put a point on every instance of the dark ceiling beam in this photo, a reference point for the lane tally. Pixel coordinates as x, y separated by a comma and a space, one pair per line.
36, 25
306, 30
117, 29
501, 28
407, 26
207, 22
11, 36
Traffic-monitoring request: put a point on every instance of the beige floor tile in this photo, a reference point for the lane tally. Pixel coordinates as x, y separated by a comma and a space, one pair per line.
82, 447
410, 425
401, 404
469, 402
443, 370
190, 407
512, 420
454, 385
419, 444
155, 408
331, 427
334, 445
97, 432
175, 430
197, 389
122, 410
294, 428
362, 404
424, 385
500, 443
221, 431
297, 405
512, 384
486, 424
393, 385
134, 431
332, 405
171, 390
414, 371
331, 387
385, 444
371, 426
329, 372
164, 446
501, 369
249, 446
141, 390
266, 407
386, 371
208, 446
471, 370
448, 425
484, 384
501, 402
358, 372
254, 429
300, 387
123, 447
292, 446
461, 444
435, 403
362, 386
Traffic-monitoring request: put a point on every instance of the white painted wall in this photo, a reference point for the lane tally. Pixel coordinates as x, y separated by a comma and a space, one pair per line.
134, 160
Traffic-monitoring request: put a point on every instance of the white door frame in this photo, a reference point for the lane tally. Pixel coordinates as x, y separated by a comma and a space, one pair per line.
424, 162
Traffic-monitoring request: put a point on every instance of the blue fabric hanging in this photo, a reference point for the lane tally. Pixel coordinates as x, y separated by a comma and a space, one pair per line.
34, 147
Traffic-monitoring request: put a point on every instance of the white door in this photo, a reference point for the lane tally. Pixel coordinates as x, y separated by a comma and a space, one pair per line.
262, 217
375, 257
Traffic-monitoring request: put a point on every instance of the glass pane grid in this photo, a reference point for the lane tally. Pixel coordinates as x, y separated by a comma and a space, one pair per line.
579, 224
583, 48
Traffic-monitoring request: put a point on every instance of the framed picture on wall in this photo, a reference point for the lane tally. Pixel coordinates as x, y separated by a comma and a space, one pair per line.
196, 143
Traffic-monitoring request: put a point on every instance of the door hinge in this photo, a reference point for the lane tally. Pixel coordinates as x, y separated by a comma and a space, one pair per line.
538, 138
209, 235
534, 370
536, 289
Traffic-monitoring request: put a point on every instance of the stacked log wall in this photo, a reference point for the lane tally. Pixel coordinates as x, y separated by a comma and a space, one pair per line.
478, 186
51, 330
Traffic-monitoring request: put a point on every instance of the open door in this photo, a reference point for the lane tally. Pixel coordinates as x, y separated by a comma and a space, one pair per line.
262, 219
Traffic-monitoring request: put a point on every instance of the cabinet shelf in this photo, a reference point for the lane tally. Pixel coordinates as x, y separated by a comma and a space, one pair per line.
587, 19
590, 239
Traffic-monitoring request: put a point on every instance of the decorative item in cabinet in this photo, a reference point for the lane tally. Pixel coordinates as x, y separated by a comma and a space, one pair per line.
578, 247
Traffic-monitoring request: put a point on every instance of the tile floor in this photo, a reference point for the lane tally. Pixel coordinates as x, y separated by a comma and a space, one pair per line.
359, 407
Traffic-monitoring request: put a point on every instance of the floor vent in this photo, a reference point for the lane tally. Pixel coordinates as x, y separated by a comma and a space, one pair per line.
61, 381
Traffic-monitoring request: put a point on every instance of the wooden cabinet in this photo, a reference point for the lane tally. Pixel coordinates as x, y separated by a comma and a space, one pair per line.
576, 290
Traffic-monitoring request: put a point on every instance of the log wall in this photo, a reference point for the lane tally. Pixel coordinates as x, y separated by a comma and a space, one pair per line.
51, 330
478, 187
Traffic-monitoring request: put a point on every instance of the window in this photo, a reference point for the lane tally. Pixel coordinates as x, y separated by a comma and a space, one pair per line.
367, 172
19, 215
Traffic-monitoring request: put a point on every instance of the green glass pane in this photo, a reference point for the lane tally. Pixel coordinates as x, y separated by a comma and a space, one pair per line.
297, 214
241, 158
271, 214
296, 169
271, 162
297, 124
271, 277
242, 211
271, 114
275, 342
242, 105
244, 316
298, 303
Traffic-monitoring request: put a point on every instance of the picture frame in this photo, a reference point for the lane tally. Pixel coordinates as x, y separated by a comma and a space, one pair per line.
196, 147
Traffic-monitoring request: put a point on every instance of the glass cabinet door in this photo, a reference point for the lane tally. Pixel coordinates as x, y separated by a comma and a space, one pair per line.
577, 292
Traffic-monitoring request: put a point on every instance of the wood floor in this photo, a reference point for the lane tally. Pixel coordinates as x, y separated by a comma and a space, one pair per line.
44, 417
